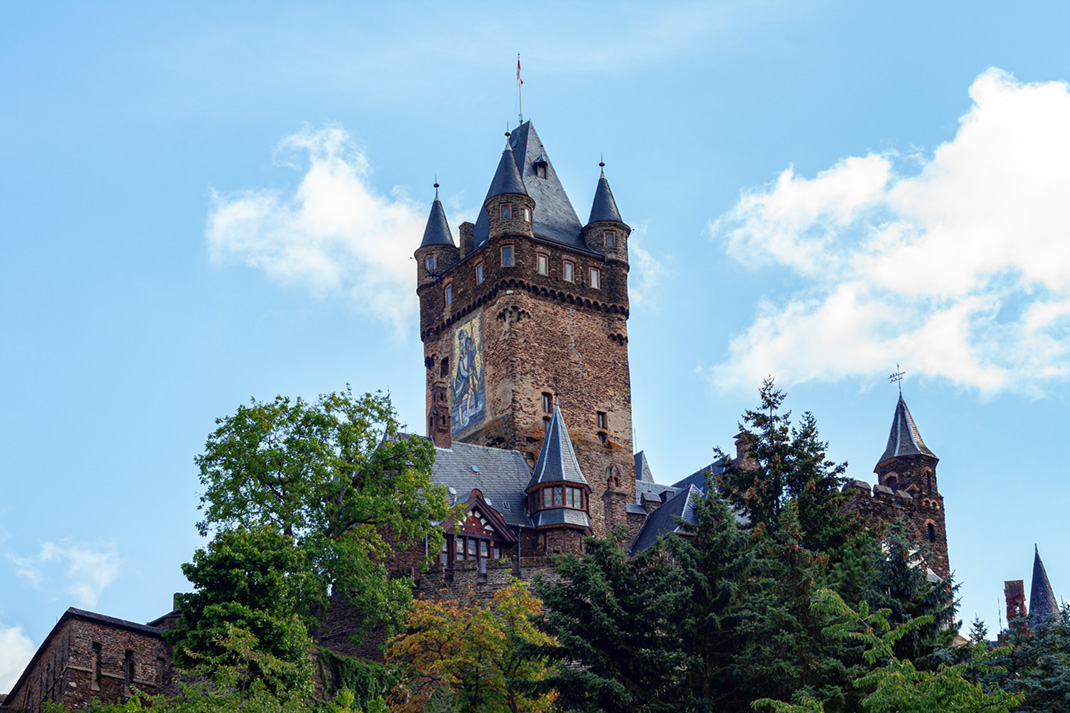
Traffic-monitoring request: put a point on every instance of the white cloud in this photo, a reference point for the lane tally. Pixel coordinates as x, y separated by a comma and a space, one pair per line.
646, 270
16, 649
955, 264
335, 234
86, 571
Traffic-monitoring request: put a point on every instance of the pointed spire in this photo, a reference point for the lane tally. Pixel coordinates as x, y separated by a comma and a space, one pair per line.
604, 207
904, 439
557, 460
642, 468
1042, 602
507, 177
437, 231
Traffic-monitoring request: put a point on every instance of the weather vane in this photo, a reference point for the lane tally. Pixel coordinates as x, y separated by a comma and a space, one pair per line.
897, 378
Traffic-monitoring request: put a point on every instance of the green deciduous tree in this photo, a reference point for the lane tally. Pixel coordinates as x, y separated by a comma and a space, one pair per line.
243, 622
337, 477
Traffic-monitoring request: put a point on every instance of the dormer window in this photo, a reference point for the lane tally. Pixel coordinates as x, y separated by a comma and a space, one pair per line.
430, 263
611, 239
540, 167
507, 211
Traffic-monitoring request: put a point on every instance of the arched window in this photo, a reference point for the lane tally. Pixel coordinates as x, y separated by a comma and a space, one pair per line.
932, 532
892, 482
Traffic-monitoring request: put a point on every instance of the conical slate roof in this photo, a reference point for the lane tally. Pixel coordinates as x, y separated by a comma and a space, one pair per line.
1042, 603
604, 207
507, 177
557, 459
554, 218
437, 231
904, 439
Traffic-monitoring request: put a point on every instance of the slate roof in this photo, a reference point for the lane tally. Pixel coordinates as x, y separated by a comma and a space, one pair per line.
500, 475
437, 231
698, 478
554, 218
557, 460
904, 438
663, 521
1042, 602
604, 207
506, 178
561, 516
652, 491
642, 468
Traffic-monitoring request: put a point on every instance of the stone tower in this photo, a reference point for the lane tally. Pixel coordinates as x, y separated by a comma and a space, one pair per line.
530, 314
908, 470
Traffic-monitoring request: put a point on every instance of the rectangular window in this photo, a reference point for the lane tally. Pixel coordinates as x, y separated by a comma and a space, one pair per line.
472, 547
459, 542
547, 402
601, 420
479, 274
507, 211
430, 263
484, 548
507, 256
544, 264
546, 497
610, 238
497, 552
527, 215
569, 271
557, 497
595, 275
449, 294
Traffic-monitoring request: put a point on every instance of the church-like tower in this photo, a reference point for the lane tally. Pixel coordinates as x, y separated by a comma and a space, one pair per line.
530, 314
908, 469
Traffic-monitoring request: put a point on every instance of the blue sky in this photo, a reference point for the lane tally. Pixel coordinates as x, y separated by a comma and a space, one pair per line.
204, 203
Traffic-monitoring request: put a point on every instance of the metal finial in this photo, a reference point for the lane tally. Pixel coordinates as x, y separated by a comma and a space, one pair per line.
601, 160
897, 378
436, 185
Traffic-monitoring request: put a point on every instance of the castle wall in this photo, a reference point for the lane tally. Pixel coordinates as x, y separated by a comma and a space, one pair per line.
84, 660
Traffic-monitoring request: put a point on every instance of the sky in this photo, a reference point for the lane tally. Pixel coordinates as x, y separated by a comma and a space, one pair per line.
203, 204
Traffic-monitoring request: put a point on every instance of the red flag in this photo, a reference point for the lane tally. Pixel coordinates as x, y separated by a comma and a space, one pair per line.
518, 79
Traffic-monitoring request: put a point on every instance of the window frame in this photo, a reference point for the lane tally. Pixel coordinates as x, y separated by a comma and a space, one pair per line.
601, 420
568, 271
505, 211
507, 248
610, 239
595, 278
429, 263
479, 273
448, 289
542, 263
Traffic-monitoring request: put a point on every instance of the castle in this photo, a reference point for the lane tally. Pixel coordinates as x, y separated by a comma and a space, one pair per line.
528, 390
525, 333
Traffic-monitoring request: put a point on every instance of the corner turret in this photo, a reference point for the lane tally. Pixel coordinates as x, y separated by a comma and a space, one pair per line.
605, 232
509, 207
1042, 603
437, 252
558, 494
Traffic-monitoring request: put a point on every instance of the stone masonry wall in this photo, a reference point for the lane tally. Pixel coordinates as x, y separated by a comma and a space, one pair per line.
86, 660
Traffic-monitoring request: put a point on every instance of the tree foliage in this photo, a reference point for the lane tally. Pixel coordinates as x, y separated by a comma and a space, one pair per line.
466, 657
335, 475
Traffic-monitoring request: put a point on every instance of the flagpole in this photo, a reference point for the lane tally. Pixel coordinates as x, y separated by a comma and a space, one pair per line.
519, 88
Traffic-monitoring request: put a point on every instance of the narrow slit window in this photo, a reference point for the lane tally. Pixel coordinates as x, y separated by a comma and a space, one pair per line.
479, 274
527, 215
547, 402
611, 239
601, 420
449, 294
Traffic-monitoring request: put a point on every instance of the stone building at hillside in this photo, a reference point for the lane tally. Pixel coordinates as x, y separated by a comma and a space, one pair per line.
525, 332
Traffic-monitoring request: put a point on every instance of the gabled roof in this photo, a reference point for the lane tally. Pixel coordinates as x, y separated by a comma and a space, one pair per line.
557, 459
437, 231
500, 475
1042, 602
663, 520
642, 468
604, 207
506, 178
651, 491
475, 502
904, 439
554, 218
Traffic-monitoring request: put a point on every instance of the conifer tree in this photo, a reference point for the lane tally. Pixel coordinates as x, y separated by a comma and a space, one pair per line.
610, 614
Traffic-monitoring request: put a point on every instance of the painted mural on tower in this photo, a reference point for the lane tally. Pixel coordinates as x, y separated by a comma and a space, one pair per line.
466, 375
